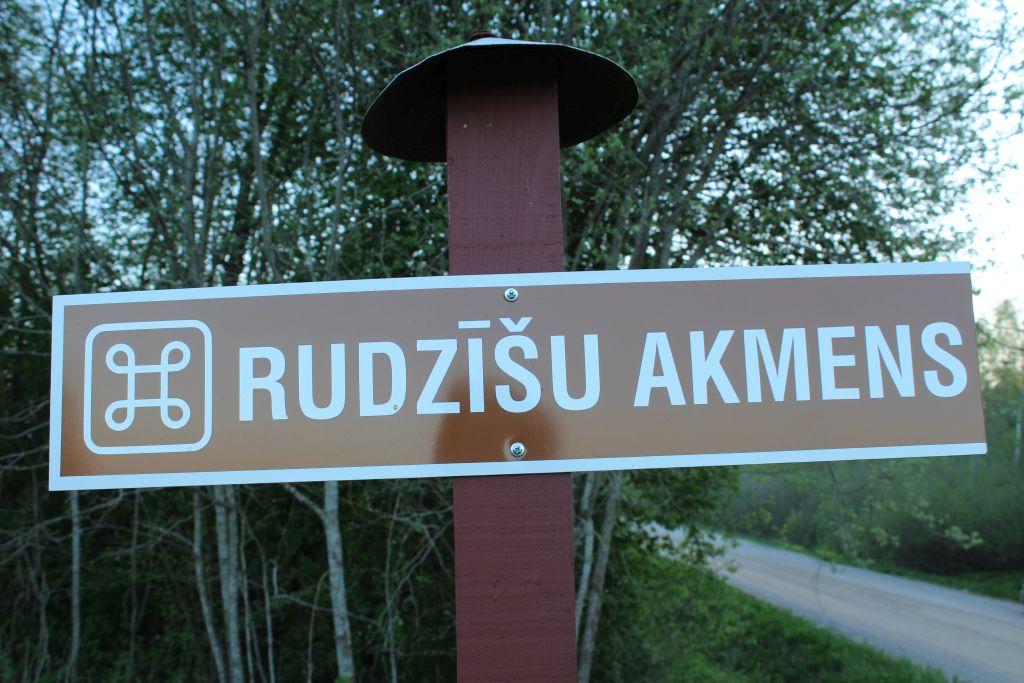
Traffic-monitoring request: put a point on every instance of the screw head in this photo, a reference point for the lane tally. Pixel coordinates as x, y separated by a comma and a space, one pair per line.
517, 449
511, 294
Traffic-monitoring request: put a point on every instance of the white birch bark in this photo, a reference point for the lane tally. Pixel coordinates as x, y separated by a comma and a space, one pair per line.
590, 488
76, 589
256, 133
336, 570
225, 518
329, 517
204, 599
611, 508
133, 618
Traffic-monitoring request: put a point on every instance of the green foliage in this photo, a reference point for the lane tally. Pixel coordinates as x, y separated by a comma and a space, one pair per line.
946, 516
940, 515
793, 147
678, 623
171, 144
1004, 585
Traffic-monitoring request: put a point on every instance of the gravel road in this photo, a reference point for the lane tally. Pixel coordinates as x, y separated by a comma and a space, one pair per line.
976, 638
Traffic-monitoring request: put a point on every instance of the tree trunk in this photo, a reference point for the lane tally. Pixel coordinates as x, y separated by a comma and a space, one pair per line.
133, 617
334, 248
256, 135
204, 600
253, 662
597, 582
1019, 426
336, 570
226, 514
590, 488
76, 589
269, 622
328, 515
42, 593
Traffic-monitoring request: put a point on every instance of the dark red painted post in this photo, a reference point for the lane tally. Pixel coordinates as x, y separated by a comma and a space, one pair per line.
498, 111
514, 580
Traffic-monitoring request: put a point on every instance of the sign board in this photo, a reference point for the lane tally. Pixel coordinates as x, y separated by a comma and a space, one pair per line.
442, 376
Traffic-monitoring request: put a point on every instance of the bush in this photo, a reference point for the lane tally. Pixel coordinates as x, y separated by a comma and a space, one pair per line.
666, 621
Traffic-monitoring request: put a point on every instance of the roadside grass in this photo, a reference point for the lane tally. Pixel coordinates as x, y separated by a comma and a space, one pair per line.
682, 624
1003, 584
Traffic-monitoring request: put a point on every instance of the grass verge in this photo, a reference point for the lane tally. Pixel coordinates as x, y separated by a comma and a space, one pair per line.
682, 624
1004, 585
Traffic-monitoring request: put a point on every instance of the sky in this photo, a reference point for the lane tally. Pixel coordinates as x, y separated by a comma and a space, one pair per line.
998, 248
997, 215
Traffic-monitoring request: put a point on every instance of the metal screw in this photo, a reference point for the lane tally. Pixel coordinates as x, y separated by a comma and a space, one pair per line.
517, 449
511, 294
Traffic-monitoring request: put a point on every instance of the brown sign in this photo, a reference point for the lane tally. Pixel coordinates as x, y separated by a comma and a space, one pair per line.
521, 373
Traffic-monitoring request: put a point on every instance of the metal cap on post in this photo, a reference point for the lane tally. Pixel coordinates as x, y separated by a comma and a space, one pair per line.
408, 118
497, 111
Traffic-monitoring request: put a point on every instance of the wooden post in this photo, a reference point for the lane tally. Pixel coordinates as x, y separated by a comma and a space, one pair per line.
497, 111
514, 580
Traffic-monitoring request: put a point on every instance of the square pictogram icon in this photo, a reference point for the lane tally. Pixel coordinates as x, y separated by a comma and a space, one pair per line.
148, 387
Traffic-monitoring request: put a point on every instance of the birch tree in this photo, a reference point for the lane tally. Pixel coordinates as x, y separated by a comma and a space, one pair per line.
156, 144
328, 515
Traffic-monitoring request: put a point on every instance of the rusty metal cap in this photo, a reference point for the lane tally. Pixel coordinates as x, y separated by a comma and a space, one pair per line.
408, 118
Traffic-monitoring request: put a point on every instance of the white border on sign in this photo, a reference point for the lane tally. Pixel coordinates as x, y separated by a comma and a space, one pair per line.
400, 284
473, 469
61, 483
56, 392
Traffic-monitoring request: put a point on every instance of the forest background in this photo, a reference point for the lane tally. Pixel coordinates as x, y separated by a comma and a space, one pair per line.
158, 144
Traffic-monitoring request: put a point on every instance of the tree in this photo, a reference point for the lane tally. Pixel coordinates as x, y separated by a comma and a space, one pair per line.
1002, 359
940, 515
803, 132
157, 144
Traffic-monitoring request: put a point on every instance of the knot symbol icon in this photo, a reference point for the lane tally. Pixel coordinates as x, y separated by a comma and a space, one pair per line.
182, 362
131, 369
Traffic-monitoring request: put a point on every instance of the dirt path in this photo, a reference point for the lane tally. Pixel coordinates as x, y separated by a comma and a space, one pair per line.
976, 638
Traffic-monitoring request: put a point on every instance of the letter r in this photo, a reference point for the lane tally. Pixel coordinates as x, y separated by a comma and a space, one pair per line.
271, 382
